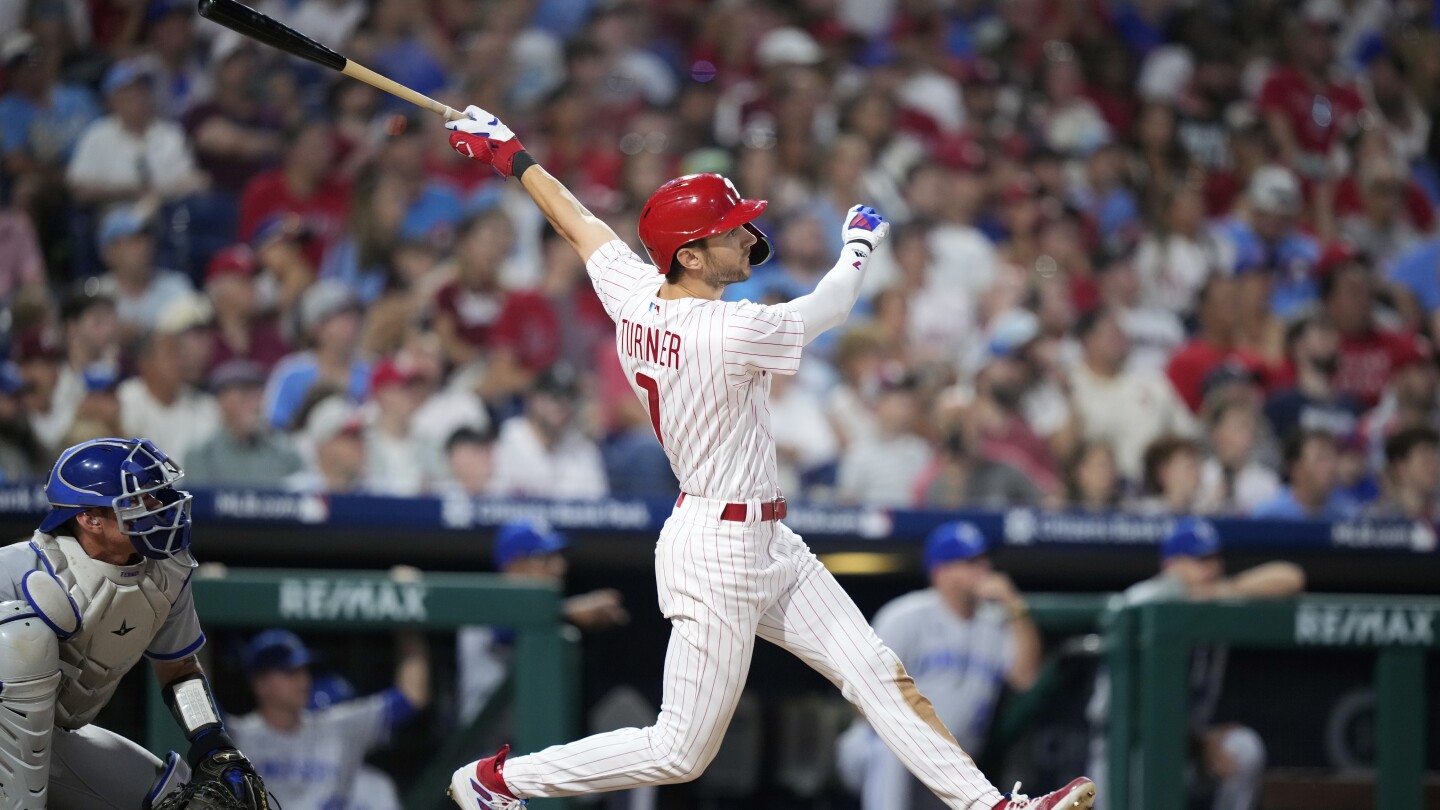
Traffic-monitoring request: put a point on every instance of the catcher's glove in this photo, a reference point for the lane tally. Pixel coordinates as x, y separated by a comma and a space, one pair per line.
224, 780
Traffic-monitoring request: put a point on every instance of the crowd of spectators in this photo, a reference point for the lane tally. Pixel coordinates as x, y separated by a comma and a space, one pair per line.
1162, 255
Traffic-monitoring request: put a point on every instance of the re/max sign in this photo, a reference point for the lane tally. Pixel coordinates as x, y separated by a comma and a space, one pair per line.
351, 599
1340, 625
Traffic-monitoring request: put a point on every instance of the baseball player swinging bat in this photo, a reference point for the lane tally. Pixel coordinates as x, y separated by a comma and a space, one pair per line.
728, 571
241, 18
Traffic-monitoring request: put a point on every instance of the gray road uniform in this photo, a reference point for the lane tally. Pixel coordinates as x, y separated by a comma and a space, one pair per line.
314, 766
959, 664
61, 660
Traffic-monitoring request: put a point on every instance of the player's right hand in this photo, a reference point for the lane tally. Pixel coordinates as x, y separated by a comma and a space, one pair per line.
597, 610
481, 136
865, 226
997, 587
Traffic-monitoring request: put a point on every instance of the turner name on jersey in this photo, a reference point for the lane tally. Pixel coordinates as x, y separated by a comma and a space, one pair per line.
649, 344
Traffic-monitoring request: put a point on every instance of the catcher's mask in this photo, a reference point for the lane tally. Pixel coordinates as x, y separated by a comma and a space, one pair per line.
135, 479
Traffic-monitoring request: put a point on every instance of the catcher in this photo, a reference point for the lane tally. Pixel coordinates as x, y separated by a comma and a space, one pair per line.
104, 581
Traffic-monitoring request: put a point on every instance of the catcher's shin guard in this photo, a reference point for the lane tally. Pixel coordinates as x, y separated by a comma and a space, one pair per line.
29, 682
172, 778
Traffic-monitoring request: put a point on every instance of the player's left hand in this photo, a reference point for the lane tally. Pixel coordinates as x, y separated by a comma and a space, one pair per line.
865, 226
232, 769
481, 136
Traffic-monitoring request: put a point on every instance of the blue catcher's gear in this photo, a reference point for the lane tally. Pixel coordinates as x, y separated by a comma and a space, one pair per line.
131, 476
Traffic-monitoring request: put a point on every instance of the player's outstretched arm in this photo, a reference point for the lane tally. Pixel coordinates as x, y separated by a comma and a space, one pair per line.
833, 298
481, 136
1273, 580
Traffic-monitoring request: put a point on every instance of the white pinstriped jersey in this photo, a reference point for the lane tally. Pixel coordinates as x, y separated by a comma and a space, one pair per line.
701, 370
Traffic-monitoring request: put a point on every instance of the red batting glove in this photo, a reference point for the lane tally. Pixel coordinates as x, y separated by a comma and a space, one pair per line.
480, 136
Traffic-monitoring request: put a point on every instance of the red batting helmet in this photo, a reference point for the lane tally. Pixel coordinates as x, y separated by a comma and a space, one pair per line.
693, 207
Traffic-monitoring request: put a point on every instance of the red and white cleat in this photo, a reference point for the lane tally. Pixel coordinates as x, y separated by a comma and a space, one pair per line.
1078, 795
481, 785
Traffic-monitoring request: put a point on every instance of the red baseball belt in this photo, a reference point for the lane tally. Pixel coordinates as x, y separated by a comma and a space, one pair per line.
739, 512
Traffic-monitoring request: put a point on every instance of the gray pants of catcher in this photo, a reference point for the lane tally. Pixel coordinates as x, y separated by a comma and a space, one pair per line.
95, 769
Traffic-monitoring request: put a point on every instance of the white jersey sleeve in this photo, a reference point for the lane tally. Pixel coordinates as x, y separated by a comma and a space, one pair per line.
616, 272
762, 338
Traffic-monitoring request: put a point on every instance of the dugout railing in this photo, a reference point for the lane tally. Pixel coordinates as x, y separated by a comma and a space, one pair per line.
544, 697
1148, 651
1146, 648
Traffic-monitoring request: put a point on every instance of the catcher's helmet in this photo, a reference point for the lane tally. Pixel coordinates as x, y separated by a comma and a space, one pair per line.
131, 476
693, 207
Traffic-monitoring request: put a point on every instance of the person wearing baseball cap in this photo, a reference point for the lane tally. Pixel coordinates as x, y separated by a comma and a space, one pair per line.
1371, 355
1009, 385
141, 290
544, 452
44, 117
313, 751
133, 154
398, 462
1230, 758
230, 283
245, 451
525, 550
332, 440
331, 320
1266, 239
530, 548
963, 640
276, 649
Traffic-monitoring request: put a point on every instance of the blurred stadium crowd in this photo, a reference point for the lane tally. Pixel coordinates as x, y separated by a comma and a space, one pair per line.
1165, 255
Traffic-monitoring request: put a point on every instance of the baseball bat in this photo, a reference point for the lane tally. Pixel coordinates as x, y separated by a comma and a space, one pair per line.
239, 17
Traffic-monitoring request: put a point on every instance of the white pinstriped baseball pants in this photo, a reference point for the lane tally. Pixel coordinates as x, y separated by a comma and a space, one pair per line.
721, 584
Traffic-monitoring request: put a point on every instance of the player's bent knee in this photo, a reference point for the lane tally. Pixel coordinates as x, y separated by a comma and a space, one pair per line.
1246, 748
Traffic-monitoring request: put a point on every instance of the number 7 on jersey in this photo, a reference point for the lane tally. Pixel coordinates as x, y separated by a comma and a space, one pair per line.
652, 387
